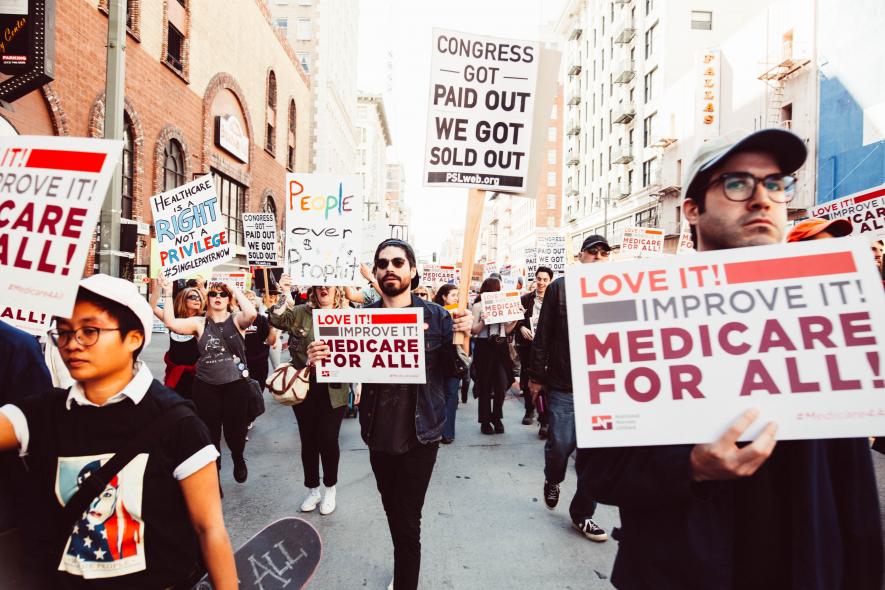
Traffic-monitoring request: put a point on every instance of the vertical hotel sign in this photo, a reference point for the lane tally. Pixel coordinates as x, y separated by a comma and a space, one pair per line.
708, 105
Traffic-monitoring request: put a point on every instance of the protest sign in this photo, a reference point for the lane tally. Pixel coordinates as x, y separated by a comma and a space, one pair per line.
865, 209
686, 244
52, 192
673, 350
499, 307
550, 252
509, 277
374, 232
371, 345
476, 277
488, 269
324, 229
437, 274
273, 276
234, 280
531, 262
482, 99
260, 230
191, 234
642, 242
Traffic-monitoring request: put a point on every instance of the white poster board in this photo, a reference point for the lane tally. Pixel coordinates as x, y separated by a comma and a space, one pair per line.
642, 242
436, 275
531, 263
500, 307
686, 244
374, 232
509, 277
371, 345
324, 229
672, 350
865, 210
550, 252
482, 97
191, 234
51, 192
234, 280
260, 230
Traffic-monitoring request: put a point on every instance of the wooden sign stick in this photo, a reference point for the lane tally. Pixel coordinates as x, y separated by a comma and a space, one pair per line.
475, 203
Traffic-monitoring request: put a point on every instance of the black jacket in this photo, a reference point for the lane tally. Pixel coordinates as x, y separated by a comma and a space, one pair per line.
807, 520
528, 304
550, 363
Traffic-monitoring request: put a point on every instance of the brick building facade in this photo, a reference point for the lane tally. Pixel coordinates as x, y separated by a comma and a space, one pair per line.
190, 68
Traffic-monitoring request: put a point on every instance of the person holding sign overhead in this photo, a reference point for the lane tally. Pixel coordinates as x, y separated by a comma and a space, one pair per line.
181, 358
799, 514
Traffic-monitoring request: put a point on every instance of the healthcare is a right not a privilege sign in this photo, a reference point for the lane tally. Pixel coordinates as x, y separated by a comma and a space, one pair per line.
672, 350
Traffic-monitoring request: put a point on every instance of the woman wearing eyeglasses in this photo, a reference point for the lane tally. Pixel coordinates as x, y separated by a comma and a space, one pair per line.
181, 358
320, 415
221, 387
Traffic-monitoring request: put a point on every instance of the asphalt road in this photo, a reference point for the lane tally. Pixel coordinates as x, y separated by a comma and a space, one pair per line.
485, 525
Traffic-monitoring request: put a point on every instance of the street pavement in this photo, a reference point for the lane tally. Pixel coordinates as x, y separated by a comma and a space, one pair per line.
485, 525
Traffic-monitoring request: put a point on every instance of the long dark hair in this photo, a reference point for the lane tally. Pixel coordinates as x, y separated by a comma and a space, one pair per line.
443, 292
488, 285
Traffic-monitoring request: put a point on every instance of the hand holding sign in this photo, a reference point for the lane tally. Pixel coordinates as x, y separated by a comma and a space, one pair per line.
463, 321
723, 459
317, 352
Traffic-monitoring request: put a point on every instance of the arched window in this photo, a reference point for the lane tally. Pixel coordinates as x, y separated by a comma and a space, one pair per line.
173, 165
270, 206
128, 170
271, 115
290, 150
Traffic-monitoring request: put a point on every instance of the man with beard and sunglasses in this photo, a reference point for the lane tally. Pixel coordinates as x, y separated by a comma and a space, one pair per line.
403, 424
729, 515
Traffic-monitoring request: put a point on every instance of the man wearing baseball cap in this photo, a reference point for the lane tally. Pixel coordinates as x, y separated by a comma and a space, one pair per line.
819, 229
145, 522
788, 516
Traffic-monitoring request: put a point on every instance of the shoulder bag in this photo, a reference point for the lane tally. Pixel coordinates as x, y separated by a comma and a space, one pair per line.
288, 385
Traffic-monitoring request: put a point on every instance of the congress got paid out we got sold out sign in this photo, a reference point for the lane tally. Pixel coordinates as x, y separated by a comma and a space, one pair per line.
673, 350
371, 345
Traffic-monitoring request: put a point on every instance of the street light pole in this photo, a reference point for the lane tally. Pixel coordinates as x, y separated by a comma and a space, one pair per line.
108, 258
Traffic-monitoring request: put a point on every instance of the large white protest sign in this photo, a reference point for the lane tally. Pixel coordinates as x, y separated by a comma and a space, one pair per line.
324, 229
550, 252
673, 350
865, 209
499, 307
437, 274
374, 232
51, 192
234, 280
509, 277
260, 230
482, 97
642, 242
191, 235
531, 262
371, 345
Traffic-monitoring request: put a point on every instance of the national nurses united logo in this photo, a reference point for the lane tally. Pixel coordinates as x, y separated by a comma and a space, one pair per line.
601, 422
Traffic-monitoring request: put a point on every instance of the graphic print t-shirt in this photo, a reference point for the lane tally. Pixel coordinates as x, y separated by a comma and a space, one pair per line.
137, 532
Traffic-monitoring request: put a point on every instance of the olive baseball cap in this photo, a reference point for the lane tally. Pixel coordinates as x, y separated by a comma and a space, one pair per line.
785, 147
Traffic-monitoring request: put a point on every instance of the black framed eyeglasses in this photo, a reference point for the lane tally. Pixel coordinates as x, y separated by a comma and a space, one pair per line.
86, 336
218, 294
741, 186
383, 263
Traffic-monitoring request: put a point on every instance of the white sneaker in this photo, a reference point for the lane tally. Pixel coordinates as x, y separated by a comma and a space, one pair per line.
328, 505
390, 586
310, 502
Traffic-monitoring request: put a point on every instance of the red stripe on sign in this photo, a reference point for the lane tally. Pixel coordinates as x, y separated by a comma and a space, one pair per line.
395, 318
869, 196
796, 267
653, 232
66, 160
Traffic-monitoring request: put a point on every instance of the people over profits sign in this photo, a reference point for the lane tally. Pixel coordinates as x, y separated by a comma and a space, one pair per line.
51, 192
191, 234
865, 209
499, 307
371, 345
642, 242
260, 230
323, 228
672, 350
482, 96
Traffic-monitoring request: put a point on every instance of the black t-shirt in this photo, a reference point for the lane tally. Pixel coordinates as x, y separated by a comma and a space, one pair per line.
183, 349
393, 428
256, 334
137, 533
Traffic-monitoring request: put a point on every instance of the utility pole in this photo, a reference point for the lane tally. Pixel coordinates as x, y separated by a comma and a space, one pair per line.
108, 254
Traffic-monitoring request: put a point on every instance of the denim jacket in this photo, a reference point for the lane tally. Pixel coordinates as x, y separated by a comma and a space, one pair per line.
430, 410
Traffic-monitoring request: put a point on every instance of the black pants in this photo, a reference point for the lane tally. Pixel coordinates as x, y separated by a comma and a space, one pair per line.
402, 481
493, 377
524, 357
224, 406
318, 427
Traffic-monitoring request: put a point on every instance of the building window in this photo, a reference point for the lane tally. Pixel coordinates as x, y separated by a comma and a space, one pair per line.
304, 59
649, 85
551, 179
647, 218
551, 134
282, 24
551, 201
648, 168
551, 156
551, 221
304, 30
649, 6
232, 197
173, 165
270, 206
290, 143
702, 20
271, 114
650, 41
648, 130
553, 113
128, 171
174, 48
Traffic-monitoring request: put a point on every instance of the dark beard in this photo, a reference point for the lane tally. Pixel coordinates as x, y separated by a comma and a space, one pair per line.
394, 289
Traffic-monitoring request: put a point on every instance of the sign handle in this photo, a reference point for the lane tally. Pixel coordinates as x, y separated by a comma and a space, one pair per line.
475, 203
266, 283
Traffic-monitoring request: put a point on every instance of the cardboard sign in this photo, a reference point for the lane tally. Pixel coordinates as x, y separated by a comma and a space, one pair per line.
673, 350
51, 192
260, 230
482, 98
437, 274
865, 209
550, 251
191, 234
234, 280
324, 229
371, 345
642, 242
500, 307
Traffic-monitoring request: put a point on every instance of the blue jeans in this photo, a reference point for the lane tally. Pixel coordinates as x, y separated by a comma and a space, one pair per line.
453, 387
561, 441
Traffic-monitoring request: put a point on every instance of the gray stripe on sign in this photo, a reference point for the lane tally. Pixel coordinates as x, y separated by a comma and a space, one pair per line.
609, 312
329, 331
